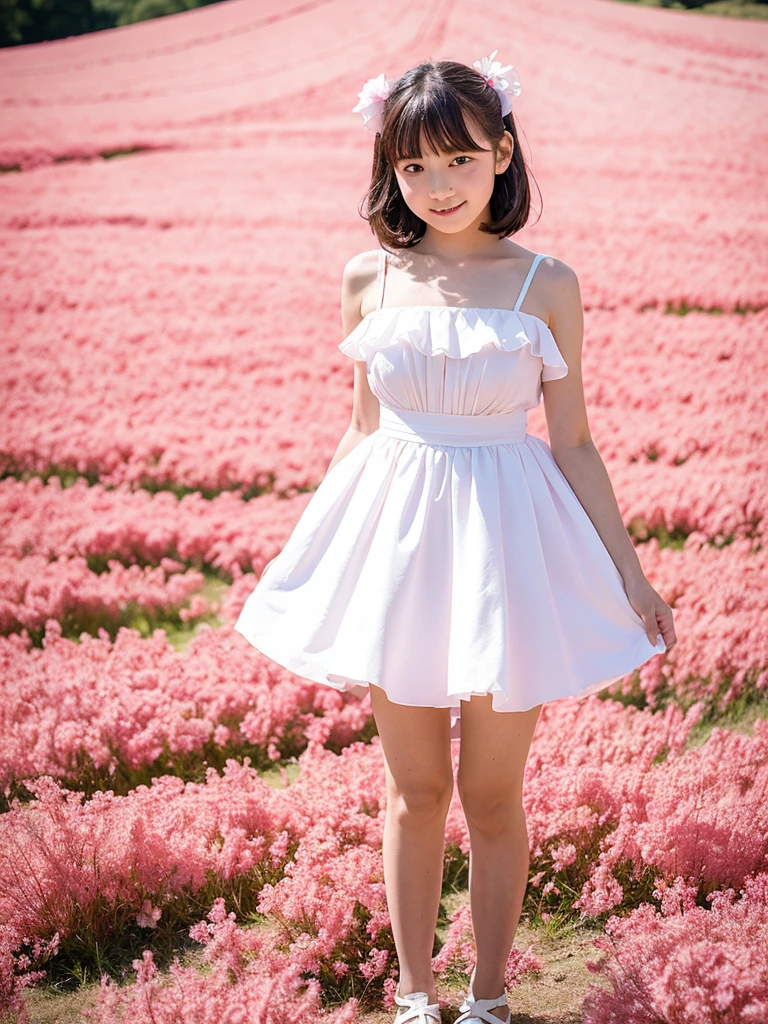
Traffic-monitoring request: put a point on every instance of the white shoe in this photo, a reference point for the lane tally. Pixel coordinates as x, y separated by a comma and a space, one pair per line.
476, 1011
420, 1010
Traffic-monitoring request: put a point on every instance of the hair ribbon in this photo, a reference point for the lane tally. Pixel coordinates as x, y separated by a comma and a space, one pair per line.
376, 91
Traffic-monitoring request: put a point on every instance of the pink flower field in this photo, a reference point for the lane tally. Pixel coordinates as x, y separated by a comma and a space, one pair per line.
188, 832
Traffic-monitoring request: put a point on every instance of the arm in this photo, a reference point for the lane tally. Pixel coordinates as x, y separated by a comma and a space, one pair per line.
579, 460
359, 274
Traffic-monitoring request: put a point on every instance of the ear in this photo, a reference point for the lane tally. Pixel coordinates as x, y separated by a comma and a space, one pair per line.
504, 150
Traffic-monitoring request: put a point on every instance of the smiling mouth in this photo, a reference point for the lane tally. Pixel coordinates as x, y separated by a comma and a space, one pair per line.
448, 209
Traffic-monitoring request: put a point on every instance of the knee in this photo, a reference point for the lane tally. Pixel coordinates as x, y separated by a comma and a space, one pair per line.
422, 800
492, 812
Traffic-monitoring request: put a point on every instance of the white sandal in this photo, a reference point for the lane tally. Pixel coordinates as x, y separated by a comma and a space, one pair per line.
418, 1007
475, 1011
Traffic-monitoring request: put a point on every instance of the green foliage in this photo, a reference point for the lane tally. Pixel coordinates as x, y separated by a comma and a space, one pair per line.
725, 8
33, 21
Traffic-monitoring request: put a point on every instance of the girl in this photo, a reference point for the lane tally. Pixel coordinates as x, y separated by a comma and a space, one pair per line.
455, 566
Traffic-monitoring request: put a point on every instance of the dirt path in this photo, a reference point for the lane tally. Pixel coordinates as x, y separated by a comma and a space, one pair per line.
555, 997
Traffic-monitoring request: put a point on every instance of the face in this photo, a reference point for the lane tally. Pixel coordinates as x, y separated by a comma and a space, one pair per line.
460, 182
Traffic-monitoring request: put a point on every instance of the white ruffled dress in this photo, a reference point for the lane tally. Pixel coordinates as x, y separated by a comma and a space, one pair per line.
446, 554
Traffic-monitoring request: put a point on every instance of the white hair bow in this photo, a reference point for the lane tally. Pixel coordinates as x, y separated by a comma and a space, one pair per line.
492, 72
372, 97
375, 92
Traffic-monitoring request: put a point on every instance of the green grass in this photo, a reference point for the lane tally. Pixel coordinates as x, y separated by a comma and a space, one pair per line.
683, 308
67, 475
738, 716
180, 634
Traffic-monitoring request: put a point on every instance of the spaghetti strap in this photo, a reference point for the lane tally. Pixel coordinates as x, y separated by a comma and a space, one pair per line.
382, 274
416, 515
539, 256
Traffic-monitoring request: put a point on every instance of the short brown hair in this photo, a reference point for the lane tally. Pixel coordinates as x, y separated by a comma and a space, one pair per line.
432, 98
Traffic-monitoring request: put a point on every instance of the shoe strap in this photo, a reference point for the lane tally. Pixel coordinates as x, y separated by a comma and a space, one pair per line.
418, 1007
478, 1008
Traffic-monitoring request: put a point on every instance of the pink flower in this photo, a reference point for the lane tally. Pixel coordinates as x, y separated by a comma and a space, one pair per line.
148, 916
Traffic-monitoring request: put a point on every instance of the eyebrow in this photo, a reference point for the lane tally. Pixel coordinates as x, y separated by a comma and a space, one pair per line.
447, 152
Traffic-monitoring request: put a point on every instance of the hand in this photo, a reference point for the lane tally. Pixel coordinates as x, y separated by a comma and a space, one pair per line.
655, 612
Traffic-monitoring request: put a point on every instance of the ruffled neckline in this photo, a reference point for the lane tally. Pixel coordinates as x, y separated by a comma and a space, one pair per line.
460, 309
456, 332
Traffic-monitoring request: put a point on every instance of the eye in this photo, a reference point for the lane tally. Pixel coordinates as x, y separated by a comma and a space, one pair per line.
461, 157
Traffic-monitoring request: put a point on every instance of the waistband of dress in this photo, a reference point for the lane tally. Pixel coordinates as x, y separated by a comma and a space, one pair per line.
456, 430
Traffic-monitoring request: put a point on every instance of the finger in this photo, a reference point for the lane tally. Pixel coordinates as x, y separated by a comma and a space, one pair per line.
668, 634
667, 628
651, 626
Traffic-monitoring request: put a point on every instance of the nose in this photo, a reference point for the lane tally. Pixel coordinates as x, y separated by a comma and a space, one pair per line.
440, 191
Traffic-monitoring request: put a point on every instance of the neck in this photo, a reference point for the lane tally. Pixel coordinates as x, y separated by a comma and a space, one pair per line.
459, 245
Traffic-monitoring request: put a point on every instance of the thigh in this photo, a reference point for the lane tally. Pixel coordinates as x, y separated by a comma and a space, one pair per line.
417, 746
494, 749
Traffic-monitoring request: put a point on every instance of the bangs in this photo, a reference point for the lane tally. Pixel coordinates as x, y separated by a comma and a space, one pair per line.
435, 116
433, 106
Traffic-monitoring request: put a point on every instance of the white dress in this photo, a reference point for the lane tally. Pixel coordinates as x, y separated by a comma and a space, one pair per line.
446, 554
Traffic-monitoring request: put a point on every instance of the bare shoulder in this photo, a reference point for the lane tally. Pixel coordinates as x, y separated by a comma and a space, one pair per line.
560, 291
561, 286
361, 265
357, 282
553, 268
557, 278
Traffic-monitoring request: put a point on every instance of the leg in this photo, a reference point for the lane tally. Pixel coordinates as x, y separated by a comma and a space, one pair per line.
417, 753
494, 749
